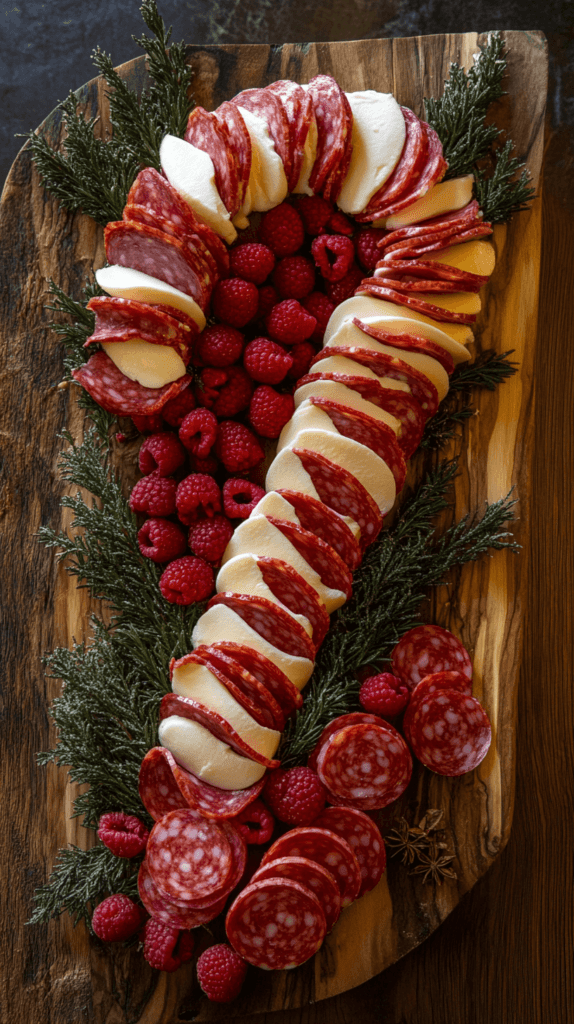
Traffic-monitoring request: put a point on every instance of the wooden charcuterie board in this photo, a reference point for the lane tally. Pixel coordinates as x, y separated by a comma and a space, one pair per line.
56, 973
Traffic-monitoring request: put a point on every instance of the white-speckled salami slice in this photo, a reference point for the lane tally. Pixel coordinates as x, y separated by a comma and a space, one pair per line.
427, 649
116, 393
319, 519
169, 913
311, 874
441, 681
378, 288
216, 724
328, 849
189, 857
449, 732
276, 924
266, 105
318, 554
332, 128
407, 170
279, 685
409, 342
271, 622
295, 593
158, 790
206, 133
371, 433
298, 107
364, 838
432, 171
239, 142
342, 492
365, 766
119, 320
384, 365
336, 724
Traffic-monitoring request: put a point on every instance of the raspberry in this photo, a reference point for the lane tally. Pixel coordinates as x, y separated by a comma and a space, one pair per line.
210, 465
294, 795
338, 291
220, 345
166, 948
315, 212
240, 497
268, 298
282, 230
235, 394
384, 694
161, 540
186, 580
252, 261
266, 362
149, 424
269, 411
237, 447
117, 918
338, 224
288, 322
209, 382
162, 452
209, 538
197, 496
366, 247
221, 973
294, 277
177, 408
198, 432
303, 355
154, 495
319, 306
325, 247
255, 814
235, 301
123, 834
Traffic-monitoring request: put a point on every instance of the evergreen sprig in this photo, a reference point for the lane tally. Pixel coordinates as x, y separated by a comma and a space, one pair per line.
80, 879
506, 191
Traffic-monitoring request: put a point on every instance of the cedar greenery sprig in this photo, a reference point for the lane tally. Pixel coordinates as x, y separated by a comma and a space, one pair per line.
79, 880
503, 193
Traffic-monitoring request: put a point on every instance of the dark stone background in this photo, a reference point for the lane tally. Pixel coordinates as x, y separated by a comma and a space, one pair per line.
45, 48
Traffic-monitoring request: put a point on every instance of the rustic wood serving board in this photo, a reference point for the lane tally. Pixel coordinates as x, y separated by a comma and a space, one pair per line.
53, 973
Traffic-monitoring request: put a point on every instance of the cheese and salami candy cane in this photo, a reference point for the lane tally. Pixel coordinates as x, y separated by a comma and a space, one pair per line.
449, 732
431, 173
310, 874
384, 365
298, 107
158, 789
241, 684
407, 170
276, 924
265, 671
266, 105
328, 849
342, 492
169, 913
365, 766
119, 320
205, 132
188, 856
375, 287
427, 649
369, 432
140, 247
332, 128
408, 342
185, 707
436, 276
364, 838
319, 519
295, 593
118, 394
231, 120
269, 620
339, 723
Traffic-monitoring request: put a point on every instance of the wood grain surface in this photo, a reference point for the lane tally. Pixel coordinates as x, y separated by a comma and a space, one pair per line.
54, 969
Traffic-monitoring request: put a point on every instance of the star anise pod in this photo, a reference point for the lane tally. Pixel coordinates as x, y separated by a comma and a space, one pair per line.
435, 865
407, 841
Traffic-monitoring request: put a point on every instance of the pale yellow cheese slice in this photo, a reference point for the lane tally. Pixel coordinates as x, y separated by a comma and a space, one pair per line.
152, 366
339, 364
400, 320
445, 197
125, 283
204, 755
460, 333
334, 391
278, 507
476, 257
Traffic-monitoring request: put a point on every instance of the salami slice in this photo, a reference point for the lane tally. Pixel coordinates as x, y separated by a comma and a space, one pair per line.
427, 649
364, 838
439, 274
195, 245
116, 393
266, 105
336, 724
325, 524
456, 220
169, 913
211, 801
433, 170
276, 923
318, 554
205, 132
416, 248
387, 366
408, 342
158, 789
367, 431
119, 320
295, 593
365, 766
140, 247
407, 170
449, 732
188, 856
310, 874
332, 128
268, 674
269, 620
335, 180
298, 107
184, 707
342, 492
239, 141
326, 848
399, 404
373, 286
441, 681
242, 685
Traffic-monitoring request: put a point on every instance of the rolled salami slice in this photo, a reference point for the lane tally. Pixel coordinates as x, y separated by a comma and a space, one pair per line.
119, 320
140, 247
372, 433
326, 848
342, 492
269, 675
266, 105
270, 621
298, 107
449, 732
239, 141
433, 274
188, 856
310, 874
427, 649
332, 128
276, 924
242, 685
169, 913
457, 220
407, 170
184, 707
295, 593
206, 133
116, 393
339, 723
431, 173
422, 389
364, 838
365, 766
318, 554
158, 789
319, 519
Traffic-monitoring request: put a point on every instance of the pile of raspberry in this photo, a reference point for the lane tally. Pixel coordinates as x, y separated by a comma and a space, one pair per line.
202, 459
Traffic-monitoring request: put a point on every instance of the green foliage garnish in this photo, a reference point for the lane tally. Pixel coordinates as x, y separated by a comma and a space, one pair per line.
503, 193
81, 879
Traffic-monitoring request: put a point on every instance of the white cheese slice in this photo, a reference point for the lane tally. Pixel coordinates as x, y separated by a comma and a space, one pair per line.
309, 157
191, 173
476, 257
198, 683
338, 364
267, 181
378, 138
152, 366
333, 391
306, 417
258, 536
242, 575
460, 333
398, 320
222, 623
349, 336
276, 505
125, 283
204, 755
445, 197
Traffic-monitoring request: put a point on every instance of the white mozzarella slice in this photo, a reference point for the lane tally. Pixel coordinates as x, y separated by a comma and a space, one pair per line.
191, 173
258, 536
339, 364
446, 197
378, 138
276, 505
152, 366
267, 181
242, 575
204, 755
198, 683
398, 320
124, 283
340, 393
220, 622
476, 257
309, 157
461, 333
306, 417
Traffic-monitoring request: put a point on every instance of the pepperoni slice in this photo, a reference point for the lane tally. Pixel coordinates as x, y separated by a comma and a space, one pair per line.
342, 492
409, 342
431, 173
388, 366
140, 247
116, 393
119, 320
375, 286
332, 128
326, 524
242, 686
188, 856
318, 554
326, 848
239, 141
298, 107
310, 874
339, 723
295, 593
276, 923
169, 913
266, 105
184, 707
449, 732
269, 620
367, 431
269, 675
364, 838
365, 766
206, 133
158, 790
407, 170
427, 649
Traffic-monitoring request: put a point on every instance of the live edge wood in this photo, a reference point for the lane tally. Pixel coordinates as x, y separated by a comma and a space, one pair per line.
56, 975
